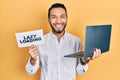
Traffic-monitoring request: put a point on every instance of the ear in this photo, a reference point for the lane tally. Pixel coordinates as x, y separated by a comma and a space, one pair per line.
67, 17
48, 19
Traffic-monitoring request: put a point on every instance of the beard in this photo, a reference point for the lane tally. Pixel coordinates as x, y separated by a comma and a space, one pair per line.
58, 31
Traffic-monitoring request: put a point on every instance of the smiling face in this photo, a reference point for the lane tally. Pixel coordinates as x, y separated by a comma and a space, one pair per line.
58, 20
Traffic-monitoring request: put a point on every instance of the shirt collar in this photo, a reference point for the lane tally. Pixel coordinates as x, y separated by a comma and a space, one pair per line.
63, 37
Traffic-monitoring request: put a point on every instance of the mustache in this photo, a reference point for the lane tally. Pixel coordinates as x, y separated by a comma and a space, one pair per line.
59, 23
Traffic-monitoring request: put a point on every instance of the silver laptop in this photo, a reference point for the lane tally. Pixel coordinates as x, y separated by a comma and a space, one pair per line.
97, 36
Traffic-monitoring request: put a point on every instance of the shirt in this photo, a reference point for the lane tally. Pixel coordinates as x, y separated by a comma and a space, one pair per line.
54, 66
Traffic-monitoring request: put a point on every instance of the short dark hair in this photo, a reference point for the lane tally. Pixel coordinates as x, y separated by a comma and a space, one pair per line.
57, 5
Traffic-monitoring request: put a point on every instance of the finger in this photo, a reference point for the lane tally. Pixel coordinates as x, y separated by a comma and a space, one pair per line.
89, 58
32, 46
35, 55
32, 52
94, 53
34, 49
99, 54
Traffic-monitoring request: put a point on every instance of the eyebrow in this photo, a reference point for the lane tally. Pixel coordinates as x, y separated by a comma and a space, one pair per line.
60, 15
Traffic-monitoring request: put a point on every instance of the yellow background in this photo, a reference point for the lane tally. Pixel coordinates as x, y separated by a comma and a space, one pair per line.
25, 15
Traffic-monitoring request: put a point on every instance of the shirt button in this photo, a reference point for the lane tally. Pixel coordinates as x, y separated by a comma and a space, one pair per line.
31, 70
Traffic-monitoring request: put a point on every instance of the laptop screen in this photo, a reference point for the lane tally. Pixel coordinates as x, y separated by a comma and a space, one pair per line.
97, 37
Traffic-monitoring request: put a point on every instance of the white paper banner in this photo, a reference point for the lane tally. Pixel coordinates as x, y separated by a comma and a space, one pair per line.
25, 39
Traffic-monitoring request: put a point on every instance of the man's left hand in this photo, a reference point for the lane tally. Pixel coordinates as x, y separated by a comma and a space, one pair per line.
96, 54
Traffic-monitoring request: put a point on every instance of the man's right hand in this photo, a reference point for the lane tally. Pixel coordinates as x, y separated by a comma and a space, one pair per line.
33, 51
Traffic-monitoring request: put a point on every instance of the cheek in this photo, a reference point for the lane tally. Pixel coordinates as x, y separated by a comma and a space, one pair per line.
52, 22
64, 20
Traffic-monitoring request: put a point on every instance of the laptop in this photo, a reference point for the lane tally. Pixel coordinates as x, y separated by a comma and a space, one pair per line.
97, 36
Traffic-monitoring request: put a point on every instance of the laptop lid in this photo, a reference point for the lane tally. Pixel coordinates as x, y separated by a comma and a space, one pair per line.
96, 37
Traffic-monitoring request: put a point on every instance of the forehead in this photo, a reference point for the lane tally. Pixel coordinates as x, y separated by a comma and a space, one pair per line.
57, 11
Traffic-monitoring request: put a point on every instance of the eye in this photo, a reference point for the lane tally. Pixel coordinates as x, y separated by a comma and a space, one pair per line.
53, 17
63, 16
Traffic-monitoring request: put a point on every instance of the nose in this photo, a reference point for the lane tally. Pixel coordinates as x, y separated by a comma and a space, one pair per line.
58, 20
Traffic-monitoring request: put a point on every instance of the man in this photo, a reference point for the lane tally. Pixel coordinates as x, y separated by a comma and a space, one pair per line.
49, 56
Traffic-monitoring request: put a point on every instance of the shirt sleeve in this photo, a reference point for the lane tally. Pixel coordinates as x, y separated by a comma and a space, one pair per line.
32, 69
81, 69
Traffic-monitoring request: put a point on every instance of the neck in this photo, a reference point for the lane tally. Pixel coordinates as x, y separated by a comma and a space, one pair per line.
59, 35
